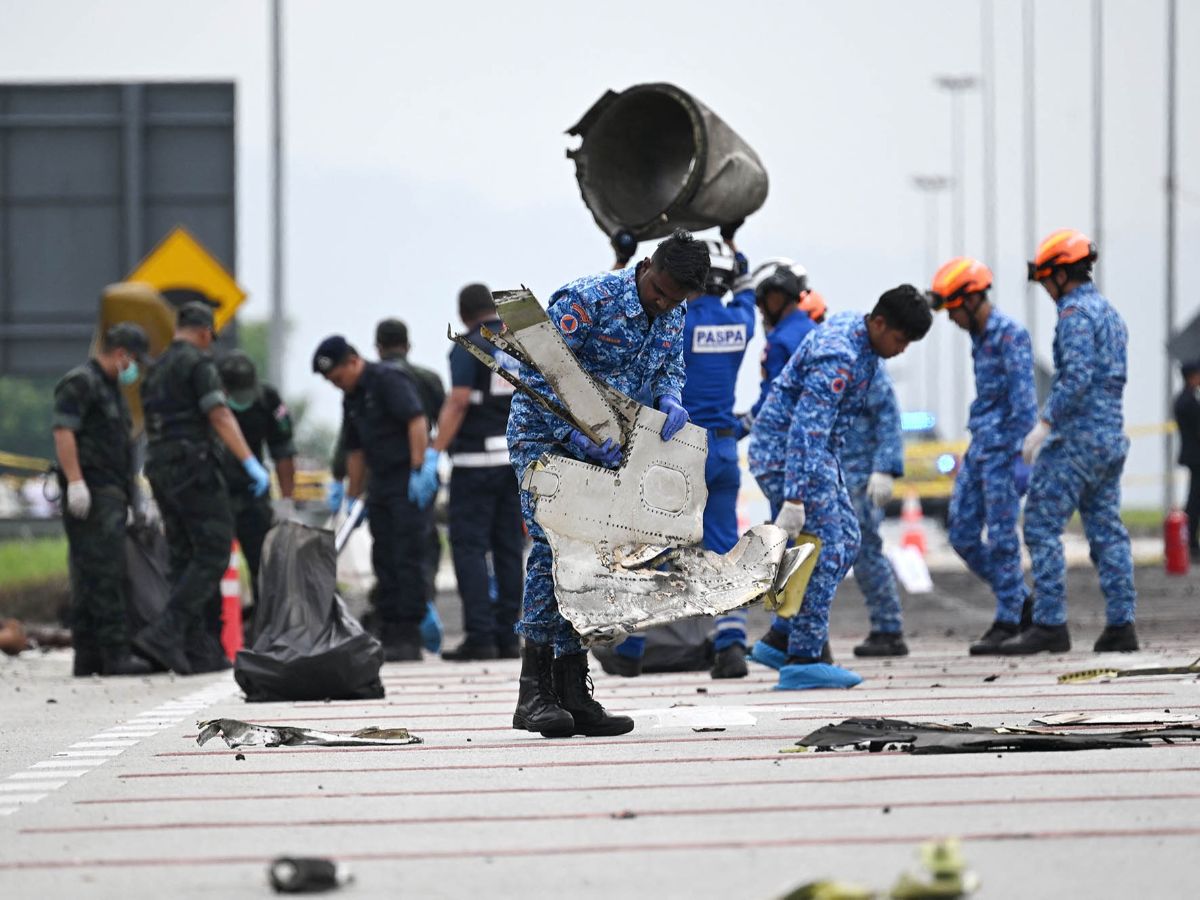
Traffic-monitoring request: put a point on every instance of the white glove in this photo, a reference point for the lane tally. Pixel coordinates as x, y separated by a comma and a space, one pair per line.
79, 499
879, 488
791, 518
285, 509
1034, 440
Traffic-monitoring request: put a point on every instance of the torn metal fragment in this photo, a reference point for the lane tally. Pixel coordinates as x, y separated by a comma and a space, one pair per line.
1108, 718
1091, 674
246, 734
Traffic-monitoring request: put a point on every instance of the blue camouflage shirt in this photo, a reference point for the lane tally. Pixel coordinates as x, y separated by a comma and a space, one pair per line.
874, 442
823, 388
781, 344
1089, 368
601, 319
1005, 405
715, 337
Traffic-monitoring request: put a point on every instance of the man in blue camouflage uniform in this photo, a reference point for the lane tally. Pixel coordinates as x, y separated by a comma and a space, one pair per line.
626, 329
872, 458
1078, 451
794, 450
988, 487
715, 336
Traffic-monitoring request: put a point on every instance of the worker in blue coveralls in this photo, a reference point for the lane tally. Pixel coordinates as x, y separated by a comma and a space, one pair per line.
872, 459
715, 336
988, 487
1077, 450
626, 329
779, 287
794, 447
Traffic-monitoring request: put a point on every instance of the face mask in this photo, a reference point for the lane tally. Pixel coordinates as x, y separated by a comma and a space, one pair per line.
238, 407
129, 375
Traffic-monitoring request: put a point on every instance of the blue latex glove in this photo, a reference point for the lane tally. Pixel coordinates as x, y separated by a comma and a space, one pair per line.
423, 482
741, 264
335, 495
677, 416
431, 629
1021, 473
607, 454
262, 480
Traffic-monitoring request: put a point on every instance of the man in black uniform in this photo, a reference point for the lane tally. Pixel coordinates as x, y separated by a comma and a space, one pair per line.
485, 502
95, 459
1187, 417
184, 404
264, 419
386, 436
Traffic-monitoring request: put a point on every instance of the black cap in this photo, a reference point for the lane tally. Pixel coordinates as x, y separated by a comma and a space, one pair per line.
391, 333
194, 315
332, 352
239, 377
127, 336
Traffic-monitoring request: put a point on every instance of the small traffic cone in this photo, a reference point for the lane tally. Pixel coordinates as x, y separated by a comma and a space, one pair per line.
913, 519
232, 638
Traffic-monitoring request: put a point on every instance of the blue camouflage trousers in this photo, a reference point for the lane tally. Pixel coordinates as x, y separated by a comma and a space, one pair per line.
985, 493
872, 571
1088, 480
541, 622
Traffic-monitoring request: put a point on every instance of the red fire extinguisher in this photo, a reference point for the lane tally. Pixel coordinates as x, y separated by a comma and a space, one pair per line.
1175, 542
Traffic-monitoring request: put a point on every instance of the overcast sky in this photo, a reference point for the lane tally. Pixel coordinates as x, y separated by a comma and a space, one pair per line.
425, 148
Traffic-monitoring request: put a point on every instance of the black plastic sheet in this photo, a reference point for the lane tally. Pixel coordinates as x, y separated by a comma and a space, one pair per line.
147, 589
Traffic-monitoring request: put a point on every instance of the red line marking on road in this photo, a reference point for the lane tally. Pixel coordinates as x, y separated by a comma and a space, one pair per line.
658, 785
756, 842
424, 820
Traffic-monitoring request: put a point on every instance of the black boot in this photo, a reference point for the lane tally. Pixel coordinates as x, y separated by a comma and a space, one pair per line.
161, 642
989, 644
538, 707
1027, 612
882, 643
471, 649
204, 651
730, 662
1117, 639
1038, 639
508, 647
119, 661
614, 663
401, 642
87, 660
574, 687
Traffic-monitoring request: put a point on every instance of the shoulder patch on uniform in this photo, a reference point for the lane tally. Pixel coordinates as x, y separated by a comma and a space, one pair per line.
582, 313
281, 412
568, 324
611, 339
838, 384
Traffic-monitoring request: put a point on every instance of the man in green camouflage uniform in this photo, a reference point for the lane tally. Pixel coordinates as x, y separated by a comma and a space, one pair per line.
95, 460
184, 404
264, 419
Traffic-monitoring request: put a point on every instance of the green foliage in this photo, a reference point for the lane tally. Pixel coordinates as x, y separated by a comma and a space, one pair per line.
29, 561
254, 341
25, 413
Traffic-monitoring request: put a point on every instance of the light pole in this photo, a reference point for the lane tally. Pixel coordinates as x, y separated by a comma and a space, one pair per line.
1030, 154
988, 65
276, 328
956, 85
1169, 275
931, 186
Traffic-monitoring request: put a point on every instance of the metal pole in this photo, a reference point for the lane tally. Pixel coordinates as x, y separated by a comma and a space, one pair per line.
1030, 152
987, 17
277, 326
1098, 125
1168, 456
931, 186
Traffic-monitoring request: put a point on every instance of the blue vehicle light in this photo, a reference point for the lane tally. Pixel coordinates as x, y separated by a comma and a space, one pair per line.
917, 421
946, 463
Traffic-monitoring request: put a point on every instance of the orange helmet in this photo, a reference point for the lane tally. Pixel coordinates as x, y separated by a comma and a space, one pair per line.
1064, 247
957, 278
813, 304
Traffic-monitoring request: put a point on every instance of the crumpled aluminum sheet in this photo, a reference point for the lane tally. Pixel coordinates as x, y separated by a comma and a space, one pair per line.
236, 733
609, 529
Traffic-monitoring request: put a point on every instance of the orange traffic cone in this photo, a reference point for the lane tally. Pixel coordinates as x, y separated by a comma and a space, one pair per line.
232, 639
913, 519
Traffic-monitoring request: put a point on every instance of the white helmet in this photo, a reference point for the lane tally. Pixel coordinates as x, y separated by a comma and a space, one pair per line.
722, 268
767, 267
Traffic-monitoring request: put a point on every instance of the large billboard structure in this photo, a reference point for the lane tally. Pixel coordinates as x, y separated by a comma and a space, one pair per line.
93, 177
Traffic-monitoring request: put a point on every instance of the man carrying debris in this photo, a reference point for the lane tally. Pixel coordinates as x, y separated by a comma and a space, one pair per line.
386, 435
794, 450
95, 458
988, 488
185, 403
1077, 450
626, 329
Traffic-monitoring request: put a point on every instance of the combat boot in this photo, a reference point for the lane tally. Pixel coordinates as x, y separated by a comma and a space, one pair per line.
204, 651
119, 661
989, 644
508, 647
1027, 612
730, 662
470, 650
401, 642
161, 642
1038, 639
538, 707
1117, 639
882, 643
574, 686
87, 660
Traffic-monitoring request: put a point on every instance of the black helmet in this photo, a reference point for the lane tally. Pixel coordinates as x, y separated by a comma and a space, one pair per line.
239, 377
127, 336
784, 280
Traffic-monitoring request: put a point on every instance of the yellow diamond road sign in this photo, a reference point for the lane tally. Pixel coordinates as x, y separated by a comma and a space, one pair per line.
181, 269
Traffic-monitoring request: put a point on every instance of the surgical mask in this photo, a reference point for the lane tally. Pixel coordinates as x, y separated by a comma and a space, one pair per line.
239, 407
129, 375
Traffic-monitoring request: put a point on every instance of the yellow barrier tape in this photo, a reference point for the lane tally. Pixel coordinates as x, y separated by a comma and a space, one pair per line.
25, 463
